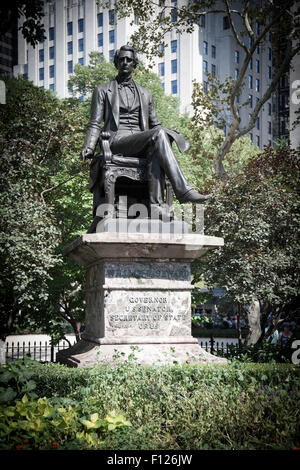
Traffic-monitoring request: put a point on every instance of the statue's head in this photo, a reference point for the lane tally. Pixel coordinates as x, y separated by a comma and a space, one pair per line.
125, 57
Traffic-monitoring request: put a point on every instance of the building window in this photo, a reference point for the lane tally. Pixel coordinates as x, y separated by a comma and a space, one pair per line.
236, 74
269, 72
250, 64
251, 136
226, 22
70, 28
257, 66
213, 70
41, 55
174, 66
70, 66
269, 127
41, 73
257, 49
112, 36
81, 61
100, 20
250, 81
111, 17
161, 48
205, 87
52, 88
250, 42
100, 39
236, 57
51, 52
174, 46
250, 97
269, 53
80, 45
70, 48
80, 25
269, 109
51, 71
111, 55
174, 87
257, 141
257, 84
202, 21
161, 69
257, 123
205, 47
174, 15
51, 34
205, 66
213, 52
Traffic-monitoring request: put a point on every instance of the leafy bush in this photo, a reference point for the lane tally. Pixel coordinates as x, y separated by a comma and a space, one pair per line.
45, 425
262, 353
213, 406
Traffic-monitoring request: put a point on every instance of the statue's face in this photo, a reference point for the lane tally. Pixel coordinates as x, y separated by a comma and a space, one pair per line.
126, 63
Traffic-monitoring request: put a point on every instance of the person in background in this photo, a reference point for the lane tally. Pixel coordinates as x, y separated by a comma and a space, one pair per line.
284, 335
273, 338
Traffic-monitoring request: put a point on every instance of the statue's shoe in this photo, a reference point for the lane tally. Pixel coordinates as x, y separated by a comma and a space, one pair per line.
193, 196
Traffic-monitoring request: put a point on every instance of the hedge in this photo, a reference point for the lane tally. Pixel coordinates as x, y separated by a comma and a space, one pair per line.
213, 406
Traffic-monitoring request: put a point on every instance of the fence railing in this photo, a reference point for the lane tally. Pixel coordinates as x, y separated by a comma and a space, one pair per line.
214, 347
37, 350
45, 352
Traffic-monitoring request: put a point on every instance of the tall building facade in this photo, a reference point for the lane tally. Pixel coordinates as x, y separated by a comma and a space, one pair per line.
74, 28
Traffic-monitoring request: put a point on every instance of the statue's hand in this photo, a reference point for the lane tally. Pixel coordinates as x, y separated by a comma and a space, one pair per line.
86, 153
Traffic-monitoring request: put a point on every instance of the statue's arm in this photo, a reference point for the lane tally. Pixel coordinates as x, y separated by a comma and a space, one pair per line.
94, 126
153, 119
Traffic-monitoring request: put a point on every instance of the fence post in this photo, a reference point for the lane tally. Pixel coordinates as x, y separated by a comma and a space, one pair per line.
52, 353
211, 344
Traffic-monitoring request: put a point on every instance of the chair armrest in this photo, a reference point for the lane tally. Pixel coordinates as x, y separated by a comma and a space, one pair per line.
104, 142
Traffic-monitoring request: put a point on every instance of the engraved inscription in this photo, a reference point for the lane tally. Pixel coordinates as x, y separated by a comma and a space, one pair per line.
146, 312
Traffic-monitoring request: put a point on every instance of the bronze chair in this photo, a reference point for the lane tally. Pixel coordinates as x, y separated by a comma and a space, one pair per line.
118, 173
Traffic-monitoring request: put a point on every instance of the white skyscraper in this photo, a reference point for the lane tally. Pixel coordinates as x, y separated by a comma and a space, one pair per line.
74, 28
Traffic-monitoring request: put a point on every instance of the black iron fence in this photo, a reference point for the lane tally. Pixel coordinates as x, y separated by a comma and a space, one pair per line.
217, 347
37, 350
43, 351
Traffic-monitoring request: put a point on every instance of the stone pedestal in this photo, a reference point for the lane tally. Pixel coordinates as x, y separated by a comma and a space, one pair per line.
138, 298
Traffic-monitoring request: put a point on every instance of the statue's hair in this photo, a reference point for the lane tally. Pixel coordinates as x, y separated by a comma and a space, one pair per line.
126, 48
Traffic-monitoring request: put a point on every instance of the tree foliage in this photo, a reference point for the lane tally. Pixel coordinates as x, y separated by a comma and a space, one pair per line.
44, 205
33, 12
249, 22
257, 212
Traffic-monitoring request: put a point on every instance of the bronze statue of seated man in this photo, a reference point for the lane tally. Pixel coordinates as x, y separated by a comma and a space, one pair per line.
126, 111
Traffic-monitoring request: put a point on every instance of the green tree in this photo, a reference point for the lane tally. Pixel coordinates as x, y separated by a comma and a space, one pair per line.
42, 177
257, 212
32, 11
250, 25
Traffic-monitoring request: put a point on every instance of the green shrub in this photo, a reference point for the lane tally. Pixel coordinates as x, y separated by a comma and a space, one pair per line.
213, 406
262, 353
44, 425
